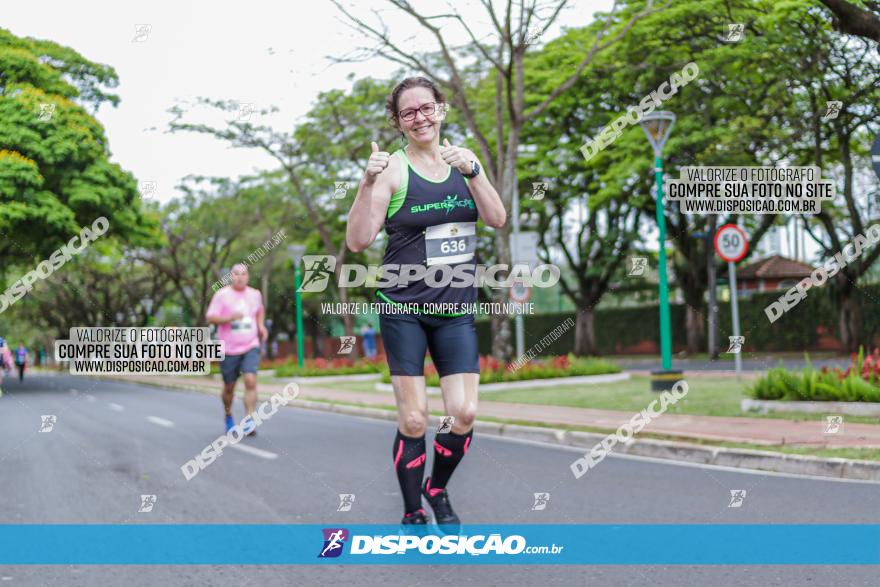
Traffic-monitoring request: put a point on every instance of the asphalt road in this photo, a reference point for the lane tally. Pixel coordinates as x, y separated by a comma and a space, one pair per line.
112, 442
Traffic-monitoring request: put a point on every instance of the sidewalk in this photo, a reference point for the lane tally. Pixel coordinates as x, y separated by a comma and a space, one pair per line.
761, 431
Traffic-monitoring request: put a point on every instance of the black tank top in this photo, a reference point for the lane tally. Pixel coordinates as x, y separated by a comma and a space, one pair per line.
432, 224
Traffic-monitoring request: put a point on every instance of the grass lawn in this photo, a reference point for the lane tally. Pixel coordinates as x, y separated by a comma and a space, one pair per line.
775, 357
707, 396
368, 386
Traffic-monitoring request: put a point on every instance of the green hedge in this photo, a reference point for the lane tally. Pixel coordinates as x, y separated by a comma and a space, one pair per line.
795, 331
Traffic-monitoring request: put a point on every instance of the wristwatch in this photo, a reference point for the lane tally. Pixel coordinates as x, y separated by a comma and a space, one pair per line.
475, 170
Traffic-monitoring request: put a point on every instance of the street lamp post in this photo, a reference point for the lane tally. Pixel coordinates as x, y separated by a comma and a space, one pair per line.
657, 127
296, 253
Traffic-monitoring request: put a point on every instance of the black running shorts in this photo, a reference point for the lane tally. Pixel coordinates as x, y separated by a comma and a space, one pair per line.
452, 342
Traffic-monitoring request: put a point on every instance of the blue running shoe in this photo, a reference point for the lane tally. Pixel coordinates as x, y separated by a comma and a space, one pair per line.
229, 423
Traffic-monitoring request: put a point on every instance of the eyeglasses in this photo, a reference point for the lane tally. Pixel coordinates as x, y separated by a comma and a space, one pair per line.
428, 109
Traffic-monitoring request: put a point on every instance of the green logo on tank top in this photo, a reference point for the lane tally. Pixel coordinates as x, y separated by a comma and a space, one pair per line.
449, 204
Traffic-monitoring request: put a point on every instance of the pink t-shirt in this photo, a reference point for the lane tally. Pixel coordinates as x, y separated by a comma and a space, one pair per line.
7, 356
242, 335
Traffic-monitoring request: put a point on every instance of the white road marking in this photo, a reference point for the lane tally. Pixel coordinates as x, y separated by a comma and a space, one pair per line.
116, 407
257, 452
160, 421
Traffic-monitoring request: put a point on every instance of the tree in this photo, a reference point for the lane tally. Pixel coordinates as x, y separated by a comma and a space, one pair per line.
588, 239
201, 230
294, 163
823, 67
735, 113
105, 285
55, 173
855, 20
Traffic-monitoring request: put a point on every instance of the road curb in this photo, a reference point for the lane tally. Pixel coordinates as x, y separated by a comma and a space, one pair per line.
759, 460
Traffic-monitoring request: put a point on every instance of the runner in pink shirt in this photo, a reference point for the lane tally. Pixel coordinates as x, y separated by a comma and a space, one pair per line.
5, 362
238, 310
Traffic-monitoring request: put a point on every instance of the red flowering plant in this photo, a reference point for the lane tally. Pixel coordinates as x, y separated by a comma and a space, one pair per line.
492, 371
859, 383
334, 366
868, 367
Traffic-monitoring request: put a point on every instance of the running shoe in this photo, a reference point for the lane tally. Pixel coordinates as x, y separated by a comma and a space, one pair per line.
415, 523
249, 427
229, 423
443, 512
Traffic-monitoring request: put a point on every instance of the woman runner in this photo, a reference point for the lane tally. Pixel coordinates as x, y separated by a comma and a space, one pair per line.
428, 197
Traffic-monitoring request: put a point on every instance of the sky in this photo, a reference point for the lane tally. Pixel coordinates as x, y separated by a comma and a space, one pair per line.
256, 52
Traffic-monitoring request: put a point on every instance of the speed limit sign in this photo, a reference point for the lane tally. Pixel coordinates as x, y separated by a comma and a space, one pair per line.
731, 243
519, 293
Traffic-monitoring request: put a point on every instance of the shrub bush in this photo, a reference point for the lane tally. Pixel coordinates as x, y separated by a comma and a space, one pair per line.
859, 383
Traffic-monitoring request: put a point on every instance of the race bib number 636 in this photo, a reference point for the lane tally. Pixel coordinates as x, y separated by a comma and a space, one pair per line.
450, 243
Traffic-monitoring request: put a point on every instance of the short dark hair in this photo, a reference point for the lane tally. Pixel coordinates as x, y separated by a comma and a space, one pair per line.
410, 82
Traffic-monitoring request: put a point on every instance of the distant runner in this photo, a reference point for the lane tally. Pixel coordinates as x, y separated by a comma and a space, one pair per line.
369, 336
238, 311
21, 357
5, 362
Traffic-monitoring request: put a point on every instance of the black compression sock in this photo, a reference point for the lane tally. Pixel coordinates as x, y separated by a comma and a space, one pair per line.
449, 449
409, 463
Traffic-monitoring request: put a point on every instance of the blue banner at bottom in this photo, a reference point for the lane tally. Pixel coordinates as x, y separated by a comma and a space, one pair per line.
637, 544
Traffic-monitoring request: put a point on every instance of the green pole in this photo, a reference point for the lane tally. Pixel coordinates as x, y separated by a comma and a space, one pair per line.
665, 322
300, 353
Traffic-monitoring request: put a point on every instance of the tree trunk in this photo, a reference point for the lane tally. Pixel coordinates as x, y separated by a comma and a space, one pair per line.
849, 320
264, 288
694, 320
347, 319
502, 346
315, 329
584, 333
712, 280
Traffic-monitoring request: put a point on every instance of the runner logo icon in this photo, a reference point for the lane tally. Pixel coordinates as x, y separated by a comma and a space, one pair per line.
334, 540
346, 345
319, 268
541, 501
48, 422
346, 500
147, 503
